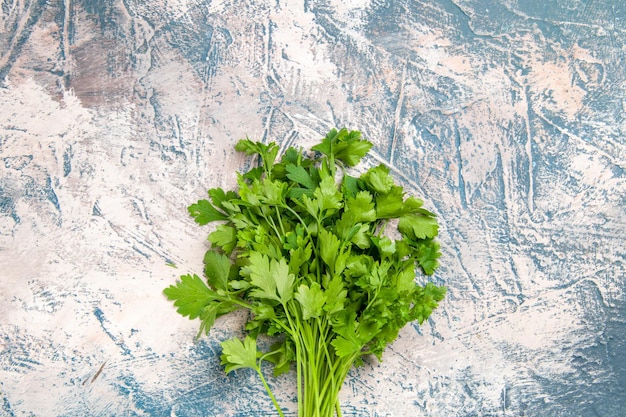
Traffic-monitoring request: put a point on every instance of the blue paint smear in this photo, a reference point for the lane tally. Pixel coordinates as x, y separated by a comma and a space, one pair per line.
6, 410
142, 253
7, 206
614, 398
16, 355
67, 161
17, 162
104, 323
460, 163
34, 190
35, 10
51, 194
146, 403
201, 43
103, 11
95, 210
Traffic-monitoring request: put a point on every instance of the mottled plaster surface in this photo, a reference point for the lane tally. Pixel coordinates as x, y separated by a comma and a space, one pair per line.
505, 116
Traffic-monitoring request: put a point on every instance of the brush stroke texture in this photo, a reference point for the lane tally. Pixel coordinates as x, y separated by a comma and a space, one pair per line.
506, 116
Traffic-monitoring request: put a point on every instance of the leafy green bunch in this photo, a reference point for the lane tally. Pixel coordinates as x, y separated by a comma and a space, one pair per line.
324, 262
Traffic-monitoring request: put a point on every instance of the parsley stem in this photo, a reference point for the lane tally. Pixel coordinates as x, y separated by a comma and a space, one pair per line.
271, 222
338, 408
295, 213
269, 390
299, 355
280, 221
240, 302
382, 227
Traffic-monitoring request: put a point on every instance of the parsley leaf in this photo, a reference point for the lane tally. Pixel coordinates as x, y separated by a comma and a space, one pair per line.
237, 354
224, 237
418, 226
343, 145
270, 277
203, 212
217, 269
301, 176
190, 295
311, 299
378, 179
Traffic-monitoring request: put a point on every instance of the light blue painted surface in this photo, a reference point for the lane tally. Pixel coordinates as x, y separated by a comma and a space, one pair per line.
506, 116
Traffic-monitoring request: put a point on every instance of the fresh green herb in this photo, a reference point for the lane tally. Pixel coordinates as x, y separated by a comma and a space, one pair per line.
325, 263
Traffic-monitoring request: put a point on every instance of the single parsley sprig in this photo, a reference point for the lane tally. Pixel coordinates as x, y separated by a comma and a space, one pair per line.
306, 249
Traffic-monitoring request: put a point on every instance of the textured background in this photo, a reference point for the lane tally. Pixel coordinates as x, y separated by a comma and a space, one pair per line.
506, 116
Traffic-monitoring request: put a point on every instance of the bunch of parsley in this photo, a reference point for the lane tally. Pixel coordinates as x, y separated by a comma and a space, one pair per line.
306, 249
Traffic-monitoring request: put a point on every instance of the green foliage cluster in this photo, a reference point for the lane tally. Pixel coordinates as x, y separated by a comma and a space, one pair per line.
306, 249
